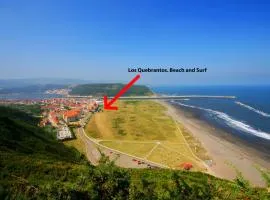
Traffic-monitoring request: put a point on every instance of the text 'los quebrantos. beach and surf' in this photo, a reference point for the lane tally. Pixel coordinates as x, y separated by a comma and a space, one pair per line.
167, 70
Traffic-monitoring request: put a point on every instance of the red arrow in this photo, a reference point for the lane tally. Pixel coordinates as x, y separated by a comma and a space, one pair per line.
108, 105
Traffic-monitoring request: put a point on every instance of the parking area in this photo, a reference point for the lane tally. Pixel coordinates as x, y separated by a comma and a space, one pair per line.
64, 133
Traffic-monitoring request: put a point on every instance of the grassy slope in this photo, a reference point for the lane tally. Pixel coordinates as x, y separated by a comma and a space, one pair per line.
35, 166
30, 157
77, 142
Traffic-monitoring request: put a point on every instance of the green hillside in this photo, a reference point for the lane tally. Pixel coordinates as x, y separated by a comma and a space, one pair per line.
35, 166
109, 90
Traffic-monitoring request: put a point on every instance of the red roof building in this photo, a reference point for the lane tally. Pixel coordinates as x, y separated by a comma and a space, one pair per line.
71, 115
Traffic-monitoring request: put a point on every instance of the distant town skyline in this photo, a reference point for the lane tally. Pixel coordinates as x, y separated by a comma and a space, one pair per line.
99, 40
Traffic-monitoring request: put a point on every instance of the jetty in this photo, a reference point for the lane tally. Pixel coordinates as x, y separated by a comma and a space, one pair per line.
174, 97
156, 97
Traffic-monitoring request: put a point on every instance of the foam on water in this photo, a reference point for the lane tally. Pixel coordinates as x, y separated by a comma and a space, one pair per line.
253, 109
230, 121
182, 99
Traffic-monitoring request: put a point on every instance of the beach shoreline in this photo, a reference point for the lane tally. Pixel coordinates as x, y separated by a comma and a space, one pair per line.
228, 153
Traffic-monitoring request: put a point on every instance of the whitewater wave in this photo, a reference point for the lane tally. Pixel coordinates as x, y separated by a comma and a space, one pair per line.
186, 99
230, 121
253, 109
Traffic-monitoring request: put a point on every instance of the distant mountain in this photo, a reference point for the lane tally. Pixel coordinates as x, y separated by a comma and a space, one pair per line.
17, 83
79, 87
32, 89
112, 89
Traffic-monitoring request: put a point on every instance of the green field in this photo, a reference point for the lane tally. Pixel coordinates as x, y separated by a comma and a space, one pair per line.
142, 128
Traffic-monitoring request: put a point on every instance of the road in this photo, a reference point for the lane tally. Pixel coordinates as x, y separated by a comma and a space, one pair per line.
93, 149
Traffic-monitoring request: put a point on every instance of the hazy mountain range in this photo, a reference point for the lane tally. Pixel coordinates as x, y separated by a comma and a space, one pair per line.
19, 83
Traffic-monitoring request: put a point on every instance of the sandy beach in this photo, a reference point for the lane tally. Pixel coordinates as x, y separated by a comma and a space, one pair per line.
227, 153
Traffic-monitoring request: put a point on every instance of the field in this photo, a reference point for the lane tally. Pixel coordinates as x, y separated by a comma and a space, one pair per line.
143, 129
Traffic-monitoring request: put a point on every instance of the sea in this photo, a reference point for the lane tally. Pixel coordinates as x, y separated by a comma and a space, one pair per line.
28, 96
247, 117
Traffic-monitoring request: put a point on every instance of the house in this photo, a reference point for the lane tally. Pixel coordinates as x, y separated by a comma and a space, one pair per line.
92, 106
71, 115
53, 119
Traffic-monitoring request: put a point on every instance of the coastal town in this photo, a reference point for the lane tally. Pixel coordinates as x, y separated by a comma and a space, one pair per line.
62, 113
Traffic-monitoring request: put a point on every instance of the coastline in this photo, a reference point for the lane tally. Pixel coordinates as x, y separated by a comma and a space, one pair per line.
228, 153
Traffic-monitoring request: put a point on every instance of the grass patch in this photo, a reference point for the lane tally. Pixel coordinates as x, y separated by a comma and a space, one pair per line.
173, 159
138, 120
92, 129
77, 143
136, 149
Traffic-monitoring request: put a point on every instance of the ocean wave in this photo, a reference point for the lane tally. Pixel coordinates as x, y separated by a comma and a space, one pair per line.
253, 109
230, 121
176, 101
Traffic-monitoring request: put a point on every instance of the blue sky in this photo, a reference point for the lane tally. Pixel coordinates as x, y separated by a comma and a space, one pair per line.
99, 40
